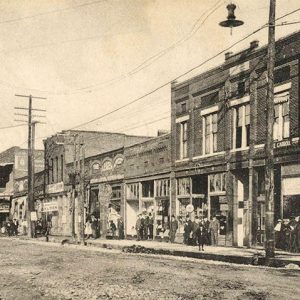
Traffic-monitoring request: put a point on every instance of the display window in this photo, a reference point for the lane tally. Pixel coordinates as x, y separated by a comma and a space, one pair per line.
217, 182
148, 189
162, 188
184, 186
132, 191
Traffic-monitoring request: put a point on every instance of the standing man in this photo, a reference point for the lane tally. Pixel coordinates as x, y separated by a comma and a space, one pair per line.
138, 227
214, 231
195, 227
173, 228
121, 228
150, 226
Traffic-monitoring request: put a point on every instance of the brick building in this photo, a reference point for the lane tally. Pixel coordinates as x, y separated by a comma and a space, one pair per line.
61, 189
13, 165
148, 183
218, 133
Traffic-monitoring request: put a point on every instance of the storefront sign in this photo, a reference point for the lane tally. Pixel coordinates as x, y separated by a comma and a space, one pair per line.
33, 216
286, 143
50, 206
224, 207
4, 207
55, 188
106, 178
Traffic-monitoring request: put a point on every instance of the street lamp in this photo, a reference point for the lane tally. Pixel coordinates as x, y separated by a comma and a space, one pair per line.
231, 19
269, 152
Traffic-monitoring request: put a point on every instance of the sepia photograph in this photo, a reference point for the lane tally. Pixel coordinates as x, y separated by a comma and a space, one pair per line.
149, 149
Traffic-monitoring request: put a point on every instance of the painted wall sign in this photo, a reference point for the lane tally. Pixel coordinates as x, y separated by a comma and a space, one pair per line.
55, 188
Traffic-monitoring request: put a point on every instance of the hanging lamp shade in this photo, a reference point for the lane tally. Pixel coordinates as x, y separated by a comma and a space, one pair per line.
231, 19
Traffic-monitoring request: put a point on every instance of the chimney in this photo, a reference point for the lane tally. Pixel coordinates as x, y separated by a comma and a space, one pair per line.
254, 44
228, 55
162, 132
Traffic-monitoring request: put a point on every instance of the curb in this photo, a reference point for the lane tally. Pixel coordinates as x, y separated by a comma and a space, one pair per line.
256, 260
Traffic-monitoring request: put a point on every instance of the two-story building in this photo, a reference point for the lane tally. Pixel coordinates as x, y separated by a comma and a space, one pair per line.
148, 181
218, 137
13, 165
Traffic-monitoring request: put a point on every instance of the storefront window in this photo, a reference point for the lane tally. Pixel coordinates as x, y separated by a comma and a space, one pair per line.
162, 188
148, 189
162, 216
133, 191
217, 182
183, 186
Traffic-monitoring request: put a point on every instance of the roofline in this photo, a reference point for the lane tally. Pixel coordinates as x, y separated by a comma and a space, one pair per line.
225, 64
151, 139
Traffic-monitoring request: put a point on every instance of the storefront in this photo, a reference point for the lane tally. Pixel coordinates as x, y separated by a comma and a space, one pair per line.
4, 207
290, 187
203, 196
57, 208
131, 208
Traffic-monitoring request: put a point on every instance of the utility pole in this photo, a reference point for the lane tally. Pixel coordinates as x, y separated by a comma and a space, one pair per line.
269, 169
82, 194
30, 160
74, 183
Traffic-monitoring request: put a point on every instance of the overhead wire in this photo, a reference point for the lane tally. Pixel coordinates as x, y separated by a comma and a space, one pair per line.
180, 76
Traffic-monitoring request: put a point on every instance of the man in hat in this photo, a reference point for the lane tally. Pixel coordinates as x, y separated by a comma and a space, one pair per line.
173, 228
138, 227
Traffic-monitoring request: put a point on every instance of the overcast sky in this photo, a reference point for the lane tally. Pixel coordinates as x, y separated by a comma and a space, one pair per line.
90, 57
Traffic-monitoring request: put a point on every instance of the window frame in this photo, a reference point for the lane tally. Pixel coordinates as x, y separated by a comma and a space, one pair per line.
212, 135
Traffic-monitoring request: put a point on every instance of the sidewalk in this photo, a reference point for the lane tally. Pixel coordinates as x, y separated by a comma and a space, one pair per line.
224, 254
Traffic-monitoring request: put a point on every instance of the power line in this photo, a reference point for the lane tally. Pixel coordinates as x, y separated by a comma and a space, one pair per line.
135, 70
182, 75
51, 12
13, 126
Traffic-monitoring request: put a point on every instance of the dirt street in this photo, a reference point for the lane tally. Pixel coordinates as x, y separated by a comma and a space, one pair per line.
48, 271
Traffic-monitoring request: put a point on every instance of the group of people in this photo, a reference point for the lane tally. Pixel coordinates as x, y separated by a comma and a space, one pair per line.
10, 227
201, 232
117, 231
198, 232
144, 226
91, 229
287, 234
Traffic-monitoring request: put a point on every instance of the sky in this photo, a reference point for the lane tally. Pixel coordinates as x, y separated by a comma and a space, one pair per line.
89, 58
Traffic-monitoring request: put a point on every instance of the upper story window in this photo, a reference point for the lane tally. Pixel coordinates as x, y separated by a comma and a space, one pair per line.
210, 126
118, 162
183, 139
209, 99
183, 107
107, 165
281, 127
241, 126
95, 167
241, 88
62, 167
282, 74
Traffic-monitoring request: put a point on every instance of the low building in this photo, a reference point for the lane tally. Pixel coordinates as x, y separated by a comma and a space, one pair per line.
63, 156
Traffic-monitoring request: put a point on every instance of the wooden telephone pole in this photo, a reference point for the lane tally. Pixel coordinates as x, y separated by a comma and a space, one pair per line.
269, 170
30, 159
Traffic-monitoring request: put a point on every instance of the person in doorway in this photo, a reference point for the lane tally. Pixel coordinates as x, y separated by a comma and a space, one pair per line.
94, 225
214, 230
113, 228
200, 235
88, 229
173, 228
150, 226
121, 228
